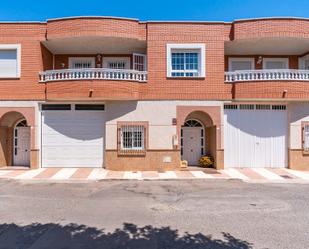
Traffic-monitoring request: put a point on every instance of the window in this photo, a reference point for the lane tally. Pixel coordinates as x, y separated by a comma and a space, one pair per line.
236, 64
304, 62
185, 60
132, 137
91, 107
305, 127
116, 62
230, 107
117, 65
56, 107
275, 63
10, 60
81, 62
139, 62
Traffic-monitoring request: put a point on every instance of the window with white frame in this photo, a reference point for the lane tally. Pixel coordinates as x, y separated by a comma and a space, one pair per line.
186, 60
81, 62
306, 137
117, 65
237, 64
275, 63
304, 62
10, 60
132, 137
139, 62
116, 62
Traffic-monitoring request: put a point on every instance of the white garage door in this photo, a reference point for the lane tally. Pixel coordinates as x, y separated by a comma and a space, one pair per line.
255, 136
72, 138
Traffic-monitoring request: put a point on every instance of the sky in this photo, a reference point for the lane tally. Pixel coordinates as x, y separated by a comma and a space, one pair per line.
201, 10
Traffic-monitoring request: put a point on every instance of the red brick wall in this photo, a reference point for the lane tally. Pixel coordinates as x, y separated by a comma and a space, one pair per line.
29, 35
254, 29
35, 58
159, 87
108, 27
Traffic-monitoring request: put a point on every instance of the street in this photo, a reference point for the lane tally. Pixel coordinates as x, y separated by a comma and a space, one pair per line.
170, 214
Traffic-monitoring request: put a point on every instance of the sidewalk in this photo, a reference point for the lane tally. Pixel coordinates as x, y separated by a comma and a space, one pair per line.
95, 174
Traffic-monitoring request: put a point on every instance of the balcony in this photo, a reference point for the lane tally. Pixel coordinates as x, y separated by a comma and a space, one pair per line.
93, 74
267, 75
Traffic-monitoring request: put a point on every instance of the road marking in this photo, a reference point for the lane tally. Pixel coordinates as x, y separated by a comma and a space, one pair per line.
97, 174
235, 174
30, 174
167, 175
267, 174
63, 174
200, 174
4, 172
300, 174
132, 175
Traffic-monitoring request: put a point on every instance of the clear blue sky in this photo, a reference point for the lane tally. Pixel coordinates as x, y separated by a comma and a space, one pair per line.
210, 10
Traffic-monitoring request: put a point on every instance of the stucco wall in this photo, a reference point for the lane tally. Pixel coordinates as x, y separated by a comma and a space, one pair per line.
159, 114
298, 112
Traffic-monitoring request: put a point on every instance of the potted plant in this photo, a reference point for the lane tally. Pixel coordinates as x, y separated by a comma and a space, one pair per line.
206, 161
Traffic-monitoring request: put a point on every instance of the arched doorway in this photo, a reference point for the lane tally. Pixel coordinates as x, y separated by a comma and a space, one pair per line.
192, 141
21, 143
15, 139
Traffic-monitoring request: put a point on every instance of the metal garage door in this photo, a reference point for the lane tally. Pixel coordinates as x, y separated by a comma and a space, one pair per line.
72, 138
255, 136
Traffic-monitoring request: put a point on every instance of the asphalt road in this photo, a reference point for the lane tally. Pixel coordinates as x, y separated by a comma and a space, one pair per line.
191, 214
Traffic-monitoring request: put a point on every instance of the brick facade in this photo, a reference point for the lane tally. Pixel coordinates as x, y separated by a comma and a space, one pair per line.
156, 35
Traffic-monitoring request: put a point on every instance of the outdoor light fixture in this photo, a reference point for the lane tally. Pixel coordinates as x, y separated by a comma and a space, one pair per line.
90, 93
260, 59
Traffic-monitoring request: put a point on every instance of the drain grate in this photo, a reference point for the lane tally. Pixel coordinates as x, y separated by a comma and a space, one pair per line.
286, 177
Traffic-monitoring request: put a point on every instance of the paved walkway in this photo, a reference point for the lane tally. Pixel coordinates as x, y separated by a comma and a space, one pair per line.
250, 175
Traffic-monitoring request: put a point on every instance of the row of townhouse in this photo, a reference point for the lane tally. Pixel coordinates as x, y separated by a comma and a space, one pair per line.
130, 95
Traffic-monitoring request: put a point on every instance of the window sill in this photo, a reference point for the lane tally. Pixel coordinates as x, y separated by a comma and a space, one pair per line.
186, 77
9, 78
132, 153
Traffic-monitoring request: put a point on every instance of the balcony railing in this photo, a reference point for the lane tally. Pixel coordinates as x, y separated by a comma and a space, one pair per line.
267, 75
93, 74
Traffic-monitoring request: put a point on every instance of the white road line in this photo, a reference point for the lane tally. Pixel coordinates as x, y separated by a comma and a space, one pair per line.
132, 175
267, 174
234, 173
167, 175
200, 174
97, 174
300, 174
30, 174
63, 174
3, 172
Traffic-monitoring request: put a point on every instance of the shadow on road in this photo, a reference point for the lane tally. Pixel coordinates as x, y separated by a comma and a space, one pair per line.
55, 236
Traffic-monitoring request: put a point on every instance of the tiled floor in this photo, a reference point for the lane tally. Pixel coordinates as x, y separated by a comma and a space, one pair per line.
248, 174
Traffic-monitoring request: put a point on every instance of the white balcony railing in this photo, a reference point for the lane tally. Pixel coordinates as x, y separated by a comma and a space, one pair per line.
267, 75
93, 74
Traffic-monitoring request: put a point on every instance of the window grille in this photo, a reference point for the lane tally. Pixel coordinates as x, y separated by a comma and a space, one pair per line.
246, 107
230, 107
279, 107
81, 62
117, 65
262, 107
132, 137
306, 138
